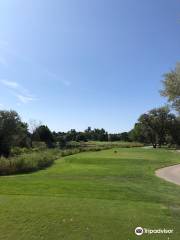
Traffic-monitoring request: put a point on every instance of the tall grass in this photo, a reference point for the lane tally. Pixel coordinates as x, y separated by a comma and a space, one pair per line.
27, 162
120, 144
30, 161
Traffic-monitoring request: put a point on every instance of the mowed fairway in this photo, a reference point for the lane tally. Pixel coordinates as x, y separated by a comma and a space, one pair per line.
93, 195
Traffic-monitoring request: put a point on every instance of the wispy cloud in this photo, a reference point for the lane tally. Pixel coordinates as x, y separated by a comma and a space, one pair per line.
10, 84
11, 51
25, 99
57, 78
21, 93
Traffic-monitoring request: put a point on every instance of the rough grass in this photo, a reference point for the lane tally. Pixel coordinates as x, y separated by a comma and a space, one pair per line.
27, 162
120, 144
92, 195
24, 160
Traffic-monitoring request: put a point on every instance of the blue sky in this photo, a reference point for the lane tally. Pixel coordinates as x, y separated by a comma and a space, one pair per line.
80, 63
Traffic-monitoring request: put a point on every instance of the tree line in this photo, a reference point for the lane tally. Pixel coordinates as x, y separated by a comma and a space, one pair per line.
158, 126
15, 133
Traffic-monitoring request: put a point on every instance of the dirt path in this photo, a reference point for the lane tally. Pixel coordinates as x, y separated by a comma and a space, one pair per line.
171, 174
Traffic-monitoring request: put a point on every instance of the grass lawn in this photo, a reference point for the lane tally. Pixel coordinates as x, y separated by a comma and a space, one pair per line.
92, 195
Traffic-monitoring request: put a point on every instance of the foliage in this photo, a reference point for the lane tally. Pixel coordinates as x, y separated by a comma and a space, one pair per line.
174, 132
15, 151
39, 145
43, 133
155, 126
171, 87
24, 163
73, 144
25, 160
88, 135
124, 136
13, 132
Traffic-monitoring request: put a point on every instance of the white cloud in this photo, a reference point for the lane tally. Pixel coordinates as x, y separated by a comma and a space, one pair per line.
25, 98
10, 84
19, 91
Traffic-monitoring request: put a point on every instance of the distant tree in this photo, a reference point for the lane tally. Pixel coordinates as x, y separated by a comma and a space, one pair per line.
60, 138
33, 125
42, 133
100, 135
153, 126
88, 130
13, 132
96, 134
81, 136
89, 133
62, 142
124, 136
173, 137
138, 134
71, 135
171, 87
114, 137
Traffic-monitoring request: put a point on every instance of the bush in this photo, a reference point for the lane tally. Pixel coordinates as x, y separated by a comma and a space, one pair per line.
69, 152
27, 162
39, 145
73, 144
17, 151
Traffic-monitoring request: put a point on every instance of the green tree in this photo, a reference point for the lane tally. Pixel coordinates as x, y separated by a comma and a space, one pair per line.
124, 136
71, 135
138, 134
13, 132
171, 87
154, 125
174, 132
43, 133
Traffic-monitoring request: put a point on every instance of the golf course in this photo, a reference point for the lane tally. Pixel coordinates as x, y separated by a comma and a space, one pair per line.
101, 195
89, 120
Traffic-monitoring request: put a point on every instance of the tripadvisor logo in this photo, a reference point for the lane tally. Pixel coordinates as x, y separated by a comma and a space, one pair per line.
139, 231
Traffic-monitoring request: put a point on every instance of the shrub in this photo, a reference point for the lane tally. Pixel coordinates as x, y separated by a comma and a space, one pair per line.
17, 151
27, 162
68, 152
73, 144
39, 145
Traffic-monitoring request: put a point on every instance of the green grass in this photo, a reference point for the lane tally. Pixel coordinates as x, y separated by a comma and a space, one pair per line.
92, 195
